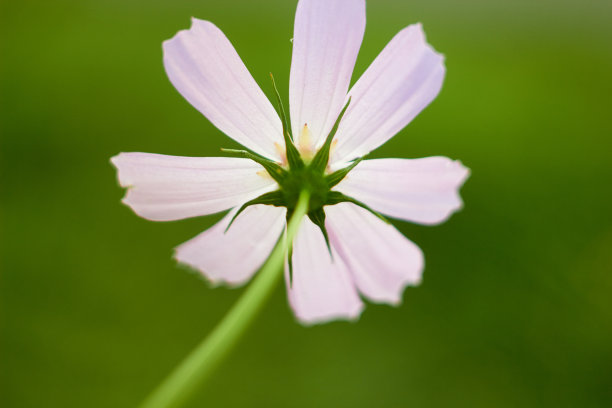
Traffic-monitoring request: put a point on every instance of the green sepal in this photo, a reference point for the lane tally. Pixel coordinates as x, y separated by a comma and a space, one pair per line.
318, 218
274, 198
293, 155
319, 162
274, 170
336, 197
338, 175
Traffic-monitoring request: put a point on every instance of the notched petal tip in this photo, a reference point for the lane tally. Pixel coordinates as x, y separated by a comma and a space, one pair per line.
351, 316
115, 159
117, 162
196, 24
416, 277
464, 170
396, 299
462, 173
211, 281
420, 31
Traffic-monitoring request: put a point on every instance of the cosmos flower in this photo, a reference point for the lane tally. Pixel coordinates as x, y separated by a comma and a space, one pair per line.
344, 248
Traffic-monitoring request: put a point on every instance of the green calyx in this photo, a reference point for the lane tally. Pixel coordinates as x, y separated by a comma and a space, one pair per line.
300, 175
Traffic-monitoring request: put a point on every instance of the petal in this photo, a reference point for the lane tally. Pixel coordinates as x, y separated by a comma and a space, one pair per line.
405, 77
326, 41
425, 191
204, 67
381, 260
165, 188
321, 288
233, 257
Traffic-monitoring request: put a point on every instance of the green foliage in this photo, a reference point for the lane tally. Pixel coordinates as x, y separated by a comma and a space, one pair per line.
321, 159
515, 308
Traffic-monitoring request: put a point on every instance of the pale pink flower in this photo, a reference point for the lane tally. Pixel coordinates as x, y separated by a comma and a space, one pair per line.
368, 256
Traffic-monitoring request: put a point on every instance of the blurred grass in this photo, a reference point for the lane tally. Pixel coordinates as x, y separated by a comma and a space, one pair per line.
515, 309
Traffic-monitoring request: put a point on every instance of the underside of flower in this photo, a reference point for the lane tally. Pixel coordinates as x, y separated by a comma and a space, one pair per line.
311, 155
303, 173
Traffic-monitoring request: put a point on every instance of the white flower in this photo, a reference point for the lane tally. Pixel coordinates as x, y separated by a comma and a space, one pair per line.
368, 256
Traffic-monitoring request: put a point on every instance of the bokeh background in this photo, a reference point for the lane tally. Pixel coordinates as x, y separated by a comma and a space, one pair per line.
516, 305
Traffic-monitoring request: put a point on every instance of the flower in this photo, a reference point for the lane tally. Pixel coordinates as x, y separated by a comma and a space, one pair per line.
343, 248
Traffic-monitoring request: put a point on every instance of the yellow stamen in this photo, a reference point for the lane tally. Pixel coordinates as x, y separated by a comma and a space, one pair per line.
264, 174
281, 152
334, 143
305, 143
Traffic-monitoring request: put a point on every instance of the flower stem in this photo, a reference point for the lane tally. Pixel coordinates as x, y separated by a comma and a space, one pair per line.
197, 366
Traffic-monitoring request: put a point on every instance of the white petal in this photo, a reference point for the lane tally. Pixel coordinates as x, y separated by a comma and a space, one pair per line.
165, 188
233, 257
321, 289
405, 77
326, 40
425, 191
381, 260
204, 67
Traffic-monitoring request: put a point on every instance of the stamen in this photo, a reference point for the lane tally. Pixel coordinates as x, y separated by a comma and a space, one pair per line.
281, 152
333, 147
264, 174
305, 143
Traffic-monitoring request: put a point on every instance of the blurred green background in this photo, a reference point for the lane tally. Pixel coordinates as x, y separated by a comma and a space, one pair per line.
516, 305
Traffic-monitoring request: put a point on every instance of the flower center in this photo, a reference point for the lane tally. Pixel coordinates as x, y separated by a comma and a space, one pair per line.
305, 178
303, 169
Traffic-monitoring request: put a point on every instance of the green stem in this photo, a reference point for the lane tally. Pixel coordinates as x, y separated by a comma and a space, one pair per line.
197, 367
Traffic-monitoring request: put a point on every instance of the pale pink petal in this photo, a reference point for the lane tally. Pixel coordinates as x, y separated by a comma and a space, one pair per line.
381, 260
405, 77
326, 40
425, 191
165, 188
204, 67
233, 257
321, 288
